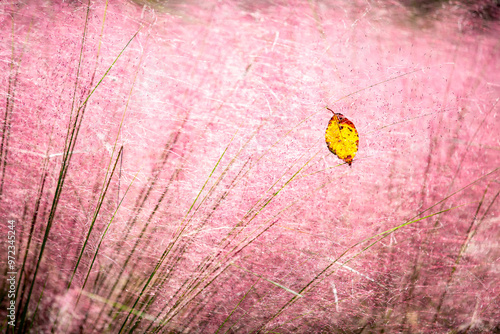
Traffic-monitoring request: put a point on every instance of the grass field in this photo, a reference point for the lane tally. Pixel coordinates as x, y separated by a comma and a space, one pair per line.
164, 168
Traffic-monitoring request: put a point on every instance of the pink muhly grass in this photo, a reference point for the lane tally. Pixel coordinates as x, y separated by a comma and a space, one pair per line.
167, 172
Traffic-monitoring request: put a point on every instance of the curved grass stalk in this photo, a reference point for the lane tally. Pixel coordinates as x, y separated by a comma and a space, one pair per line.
179, 231
69, 146
380, 237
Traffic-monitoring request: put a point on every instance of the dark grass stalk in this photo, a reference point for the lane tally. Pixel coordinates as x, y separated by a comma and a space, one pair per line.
103, 191
302, 315
129, 295
30, 234
203, 265
157, 169
225, 193
146, 225
156, 174
37, 305
183, 248
96, 214
72, 124
71, 138
148, 300
106, 229
393, 230
160, 282
148, 221
104, 188
388, 232
141, 201
173, 242
85, 102
218, 202
10, 102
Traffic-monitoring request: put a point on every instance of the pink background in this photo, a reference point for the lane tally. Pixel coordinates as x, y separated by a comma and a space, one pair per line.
220, 110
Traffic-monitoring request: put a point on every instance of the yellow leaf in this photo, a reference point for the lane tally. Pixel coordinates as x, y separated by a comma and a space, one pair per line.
342, 137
